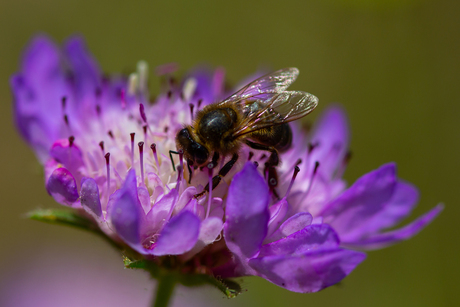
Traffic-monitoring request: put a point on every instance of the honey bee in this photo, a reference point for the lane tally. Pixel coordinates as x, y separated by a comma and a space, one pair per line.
257, 116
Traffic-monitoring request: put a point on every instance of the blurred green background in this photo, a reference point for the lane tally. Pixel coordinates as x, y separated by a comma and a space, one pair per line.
394, 65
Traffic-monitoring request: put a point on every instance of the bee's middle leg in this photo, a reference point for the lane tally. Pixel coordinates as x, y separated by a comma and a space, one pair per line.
222, 172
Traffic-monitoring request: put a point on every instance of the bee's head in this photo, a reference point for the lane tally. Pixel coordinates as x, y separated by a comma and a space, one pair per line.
193, 150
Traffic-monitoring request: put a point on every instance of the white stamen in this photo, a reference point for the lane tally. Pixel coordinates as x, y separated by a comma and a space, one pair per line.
189, 88
133, 84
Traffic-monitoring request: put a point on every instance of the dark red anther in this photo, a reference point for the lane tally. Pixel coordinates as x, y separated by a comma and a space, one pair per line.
107, 163
98, 92
141, 159
142, 111
200, 101
132, 135
98, 110
154, 150
66, 120
71, 140
101, 145
251, 154
299, 161
256, 163
169, 94
166, 129
110, 134
181, 95
312, 146
296, 171
63, 102
123, 99
316, 168
192, 106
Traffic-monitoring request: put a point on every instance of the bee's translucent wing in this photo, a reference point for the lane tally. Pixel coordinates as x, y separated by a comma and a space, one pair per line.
264, 87
281, 108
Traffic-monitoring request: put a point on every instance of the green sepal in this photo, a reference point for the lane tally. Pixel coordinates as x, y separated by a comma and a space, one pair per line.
228, 287
72, 219
61, 217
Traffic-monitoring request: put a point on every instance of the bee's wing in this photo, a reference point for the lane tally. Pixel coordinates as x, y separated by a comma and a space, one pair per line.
281, 108
264, 87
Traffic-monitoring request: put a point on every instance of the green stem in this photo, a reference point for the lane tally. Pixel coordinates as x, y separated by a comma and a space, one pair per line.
164, 290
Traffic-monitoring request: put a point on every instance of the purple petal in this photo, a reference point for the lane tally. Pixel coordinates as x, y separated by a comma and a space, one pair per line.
308, 272
85, 70
398, 207
90, 199
62, 186
38, 90
69, 156
331, 138
309, 238
392, 237
179, 235
126, 212
293, 224
247, 212
366, 198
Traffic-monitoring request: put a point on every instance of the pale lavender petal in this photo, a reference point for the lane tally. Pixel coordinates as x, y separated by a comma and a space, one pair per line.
382, 240
247, 212
179, 235
293, 224
363, 200
144, 198
331, 138
308, 272
184, 199
277, 215
90, 199
160, 212
210, 229
309, 238
62, 186
126, 213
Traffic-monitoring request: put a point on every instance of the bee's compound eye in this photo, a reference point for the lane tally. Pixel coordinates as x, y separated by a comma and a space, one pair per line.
183, 134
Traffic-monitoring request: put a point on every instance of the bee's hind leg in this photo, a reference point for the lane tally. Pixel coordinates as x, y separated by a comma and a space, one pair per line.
270, 165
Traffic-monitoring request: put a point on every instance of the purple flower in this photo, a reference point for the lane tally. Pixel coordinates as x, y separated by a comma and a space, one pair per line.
105, 148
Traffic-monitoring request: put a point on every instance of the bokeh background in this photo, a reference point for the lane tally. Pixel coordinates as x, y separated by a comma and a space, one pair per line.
394, 65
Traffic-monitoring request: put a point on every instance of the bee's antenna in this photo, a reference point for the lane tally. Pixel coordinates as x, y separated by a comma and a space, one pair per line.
180, 153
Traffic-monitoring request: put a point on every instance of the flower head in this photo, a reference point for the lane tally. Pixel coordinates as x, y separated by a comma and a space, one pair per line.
106, 151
